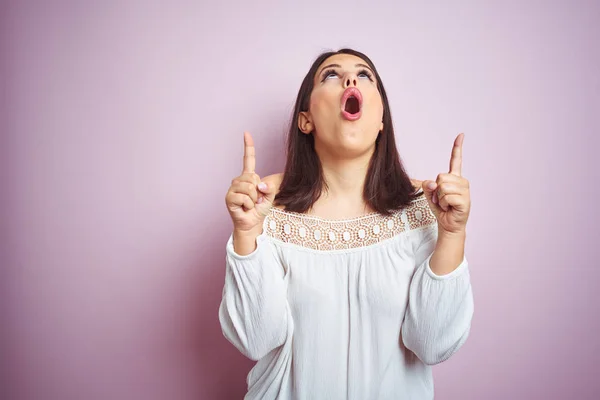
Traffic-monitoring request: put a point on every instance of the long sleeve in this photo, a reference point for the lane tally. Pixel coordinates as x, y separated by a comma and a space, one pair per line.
440, 308
254, 312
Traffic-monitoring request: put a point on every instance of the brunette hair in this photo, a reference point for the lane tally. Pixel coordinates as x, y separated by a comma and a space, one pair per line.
387, 186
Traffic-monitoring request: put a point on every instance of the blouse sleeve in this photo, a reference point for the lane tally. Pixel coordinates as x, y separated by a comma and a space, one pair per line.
440, 308
254, 312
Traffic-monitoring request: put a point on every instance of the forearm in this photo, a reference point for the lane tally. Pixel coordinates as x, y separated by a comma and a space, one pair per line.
449, 252
440, 305
254, 309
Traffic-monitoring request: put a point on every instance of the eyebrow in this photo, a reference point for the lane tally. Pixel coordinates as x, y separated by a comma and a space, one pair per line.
339, 66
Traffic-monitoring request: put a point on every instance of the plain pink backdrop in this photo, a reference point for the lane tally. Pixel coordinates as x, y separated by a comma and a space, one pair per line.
122, 129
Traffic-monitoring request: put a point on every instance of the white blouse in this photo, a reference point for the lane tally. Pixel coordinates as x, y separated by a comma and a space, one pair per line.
346, 309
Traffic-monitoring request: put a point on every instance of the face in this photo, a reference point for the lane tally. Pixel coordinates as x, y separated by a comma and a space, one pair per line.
346, 111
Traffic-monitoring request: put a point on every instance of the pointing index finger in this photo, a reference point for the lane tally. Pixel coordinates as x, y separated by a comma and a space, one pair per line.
456, 158
249, 155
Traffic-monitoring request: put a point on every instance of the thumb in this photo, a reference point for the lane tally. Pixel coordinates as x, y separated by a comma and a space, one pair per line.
429, 188
267, 190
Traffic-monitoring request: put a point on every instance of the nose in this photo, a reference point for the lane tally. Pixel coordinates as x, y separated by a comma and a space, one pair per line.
350, 80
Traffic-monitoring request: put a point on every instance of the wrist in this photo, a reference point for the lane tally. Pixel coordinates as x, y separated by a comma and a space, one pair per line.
448, 253
457, 236
247, 234
244, 242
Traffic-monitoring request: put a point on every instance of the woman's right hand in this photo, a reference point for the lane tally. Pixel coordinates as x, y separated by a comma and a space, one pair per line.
249, 199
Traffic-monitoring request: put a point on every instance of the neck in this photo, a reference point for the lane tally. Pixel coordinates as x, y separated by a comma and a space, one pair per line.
345, 179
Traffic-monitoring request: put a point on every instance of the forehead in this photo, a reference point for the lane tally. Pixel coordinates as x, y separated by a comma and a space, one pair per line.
345, 60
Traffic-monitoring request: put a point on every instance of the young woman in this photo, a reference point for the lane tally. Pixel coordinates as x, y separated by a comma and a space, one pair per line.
345, 278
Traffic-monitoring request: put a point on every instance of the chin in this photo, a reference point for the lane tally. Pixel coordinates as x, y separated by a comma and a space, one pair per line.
350, 141
355, 146
355, 135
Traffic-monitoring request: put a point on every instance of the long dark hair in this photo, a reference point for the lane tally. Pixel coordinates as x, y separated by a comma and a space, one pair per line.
387, 186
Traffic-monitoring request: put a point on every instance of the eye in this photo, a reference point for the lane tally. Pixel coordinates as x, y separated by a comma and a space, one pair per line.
329, 74
363, 73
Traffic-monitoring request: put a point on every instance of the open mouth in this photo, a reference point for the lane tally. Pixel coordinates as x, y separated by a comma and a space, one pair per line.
351, 104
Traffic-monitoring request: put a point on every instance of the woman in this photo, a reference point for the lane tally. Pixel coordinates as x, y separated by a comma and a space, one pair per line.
343, 280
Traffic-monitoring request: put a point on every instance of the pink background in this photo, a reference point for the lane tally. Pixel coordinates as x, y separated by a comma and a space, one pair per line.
122, 129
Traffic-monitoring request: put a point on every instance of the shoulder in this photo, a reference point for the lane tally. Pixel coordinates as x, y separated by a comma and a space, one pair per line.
417, 184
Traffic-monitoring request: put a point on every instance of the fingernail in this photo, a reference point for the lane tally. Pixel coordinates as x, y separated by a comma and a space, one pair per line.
262, 186
434, 198
260, 200
431, 185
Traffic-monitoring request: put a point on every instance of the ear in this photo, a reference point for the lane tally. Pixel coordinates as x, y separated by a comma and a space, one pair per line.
305, 122
381, 127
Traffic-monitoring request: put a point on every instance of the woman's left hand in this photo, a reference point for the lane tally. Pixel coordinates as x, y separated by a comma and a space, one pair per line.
448, 196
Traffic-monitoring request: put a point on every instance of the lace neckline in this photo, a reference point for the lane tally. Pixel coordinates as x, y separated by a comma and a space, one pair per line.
317, 233
321, 219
